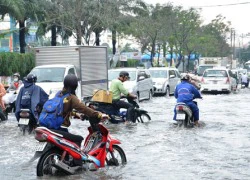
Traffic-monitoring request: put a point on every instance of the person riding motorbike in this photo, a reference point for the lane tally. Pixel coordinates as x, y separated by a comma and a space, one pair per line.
72, 102
186, 92
13, 89
117, 89
30, 97
17, 82
244, 79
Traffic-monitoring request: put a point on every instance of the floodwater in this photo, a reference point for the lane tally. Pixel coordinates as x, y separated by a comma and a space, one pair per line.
220, 149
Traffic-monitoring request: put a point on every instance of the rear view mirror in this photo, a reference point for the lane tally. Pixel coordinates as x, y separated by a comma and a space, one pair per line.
172, 76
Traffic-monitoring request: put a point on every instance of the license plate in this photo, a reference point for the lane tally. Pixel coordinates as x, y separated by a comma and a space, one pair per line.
39, 146
180, 116
215, 82
24, 121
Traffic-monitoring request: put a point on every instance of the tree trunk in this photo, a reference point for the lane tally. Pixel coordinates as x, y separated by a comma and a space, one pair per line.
164, 52
79, 35
114, 41
171, 56
53, 35
22, 36
189, 55
97, 38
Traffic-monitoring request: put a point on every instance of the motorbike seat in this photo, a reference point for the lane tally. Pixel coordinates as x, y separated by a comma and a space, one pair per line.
72, 137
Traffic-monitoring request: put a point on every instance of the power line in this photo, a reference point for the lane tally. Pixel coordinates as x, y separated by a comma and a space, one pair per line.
221, 5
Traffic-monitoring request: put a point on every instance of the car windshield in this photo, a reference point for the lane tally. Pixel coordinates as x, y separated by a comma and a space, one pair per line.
215, 73
49, 74
159, 73
115, 74
201, 69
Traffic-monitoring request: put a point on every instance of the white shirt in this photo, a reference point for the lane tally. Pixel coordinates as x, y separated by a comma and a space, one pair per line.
244, 78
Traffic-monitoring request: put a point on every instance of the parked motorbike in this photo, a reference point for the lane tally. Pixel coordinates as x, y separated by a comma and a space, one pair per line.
60, 152
117, 116
27, 121
184, 115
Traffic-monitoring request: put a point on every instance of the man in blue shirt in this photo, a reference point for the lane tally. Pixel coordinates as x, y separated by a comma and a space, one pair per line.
186, 92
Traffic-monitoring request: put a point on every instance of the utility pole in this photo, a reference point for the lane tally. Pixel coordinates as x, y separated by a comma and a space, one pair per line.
234, 46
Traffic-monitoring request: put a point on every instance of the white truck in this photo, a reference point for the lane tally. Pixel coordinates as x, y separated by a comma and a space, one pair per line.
88, 63
208, 62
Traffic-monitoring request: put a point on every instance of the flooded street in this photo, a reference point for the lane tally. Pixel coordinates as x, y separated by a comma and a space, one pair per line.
220, 149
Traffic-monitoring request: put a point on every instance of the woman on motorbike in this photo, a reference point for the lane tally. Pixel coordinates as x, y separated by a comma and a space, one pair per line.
72, 102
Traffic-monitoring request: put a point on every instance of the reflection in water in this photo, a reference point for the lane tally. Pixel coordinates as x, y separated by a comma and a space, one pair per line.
220, 149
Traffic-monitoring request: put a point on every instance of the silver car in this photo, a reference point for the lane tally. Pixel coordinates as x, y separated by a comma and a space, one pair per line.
140, 82
218, 80
165, 79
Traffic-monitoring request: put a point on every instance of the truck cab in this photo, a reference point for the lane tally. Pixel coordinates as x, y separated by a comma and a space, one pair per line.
50, 77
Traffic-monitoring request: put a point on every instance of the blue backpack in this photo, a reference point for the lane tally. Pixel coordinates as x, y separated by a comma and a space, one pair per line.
52, 113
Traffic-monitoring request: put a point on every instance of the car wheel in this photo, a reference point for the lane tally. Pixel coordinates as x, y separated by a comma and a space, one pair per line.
138, 96
167, 92
150, 94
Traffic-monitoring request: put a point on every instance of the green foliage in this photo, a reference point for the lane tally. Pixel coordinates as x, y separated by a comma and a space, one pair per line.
15, 62
132, 62
129, 63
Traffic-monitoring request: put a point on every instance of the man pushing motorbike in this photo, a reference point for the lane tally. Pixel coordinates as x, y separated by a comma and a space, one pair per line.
185, 92
117, 89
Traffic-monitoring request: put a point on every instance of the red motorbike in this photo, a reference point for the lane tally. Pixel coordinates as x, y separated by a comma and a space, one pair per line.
61, 152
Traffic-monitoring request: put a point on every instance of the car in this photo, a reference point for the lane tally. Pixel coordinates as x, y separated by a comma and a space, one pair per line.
165, 79
218, 80
140, 82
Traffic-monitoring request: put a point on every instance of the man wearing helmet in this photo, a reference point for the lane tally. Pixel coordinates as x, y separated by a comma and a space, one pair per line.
30, 97
185, 92
72, 102
117, 89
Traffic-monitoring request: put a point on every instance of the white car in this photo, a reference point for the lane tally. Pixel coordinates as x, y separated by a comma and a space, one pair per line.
218, 80
140, 82
165, 79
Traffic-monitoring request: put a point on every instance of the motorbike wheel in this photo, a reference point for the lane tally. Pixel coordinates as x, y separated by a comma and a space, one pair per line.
142, 118
2, 116
45, 163
117, 157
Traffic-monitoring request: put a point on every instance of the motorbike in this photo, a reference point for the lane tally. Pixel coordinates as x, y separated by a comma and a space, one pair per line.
27, 121
61, 152
2, 115
117, 116
184, 115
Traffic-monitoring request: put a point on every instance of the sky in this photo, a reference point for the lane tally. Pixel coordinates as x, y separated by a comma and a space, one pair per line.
236, 11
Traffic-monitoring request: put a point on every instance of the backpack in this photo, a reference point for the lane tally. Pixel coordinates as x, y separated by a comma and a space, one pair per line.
52, 113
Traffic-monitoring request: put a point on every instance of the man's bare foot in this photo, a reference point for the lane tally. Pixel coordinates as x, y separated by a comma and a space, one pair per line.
196, 123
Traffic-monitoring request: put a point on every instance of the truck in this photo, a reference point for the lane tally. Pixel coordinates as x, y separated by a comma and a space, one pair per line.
88, 63
210, 62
